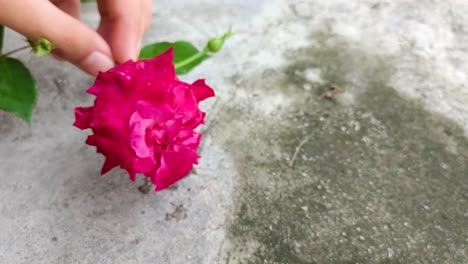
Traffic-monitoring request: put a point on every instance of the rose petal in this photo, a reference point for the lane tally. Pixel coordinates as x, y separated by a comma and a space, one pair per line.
172, 128
138, 138
191, 139
153, 91
159, 113
145, 166
175, 165
109, 164
201, 90
91, 140
184, 102
83, 117
115, 153
159, 68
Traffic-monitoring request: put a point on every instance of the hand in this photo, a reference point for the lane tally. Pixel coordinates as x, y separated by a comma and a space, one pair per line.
118, 37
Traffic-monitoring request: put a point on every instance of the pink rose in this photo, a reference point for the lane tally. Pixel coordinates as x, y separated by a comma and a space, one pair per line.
144, 119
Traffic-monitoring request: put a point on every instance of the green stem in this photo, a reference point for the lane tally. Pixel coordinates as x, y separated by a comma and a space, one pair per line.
14, 51
2, 29
189, 60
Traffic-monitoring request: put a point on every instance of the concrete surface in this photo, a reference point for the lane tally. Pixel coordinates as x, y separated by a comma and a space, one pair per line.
380, 175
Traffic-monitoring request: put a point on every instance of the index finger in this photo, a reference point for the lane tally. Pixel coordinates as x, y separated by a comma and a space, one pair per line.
123, 23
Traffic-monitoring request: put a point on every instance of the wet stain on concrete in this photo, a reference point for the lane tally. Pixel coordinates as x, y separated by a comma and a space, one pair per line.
380, 180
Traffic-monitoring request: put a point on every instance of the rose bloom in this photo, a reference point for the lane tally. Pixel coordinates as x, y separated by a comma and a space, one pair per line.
144, 119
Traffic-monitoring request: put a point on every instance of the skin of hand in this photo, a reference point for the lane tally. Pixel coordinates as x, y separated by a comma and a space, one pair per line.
117, 39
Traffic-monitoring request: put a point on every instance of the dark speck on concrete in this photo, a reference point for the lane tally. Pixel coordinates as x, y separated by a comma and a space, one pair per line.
179, 213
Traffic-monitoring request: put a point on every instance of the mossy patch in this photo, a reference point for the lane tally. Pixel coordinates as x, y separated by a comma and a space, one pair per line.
380, 180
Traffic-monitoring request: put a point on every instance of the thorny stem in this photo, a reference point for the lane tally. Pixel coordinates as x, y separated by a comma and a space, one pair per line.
14, 51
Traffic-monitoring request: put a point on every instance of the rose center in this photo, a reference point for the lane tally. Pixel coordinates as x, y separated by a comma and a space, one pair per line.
158, 137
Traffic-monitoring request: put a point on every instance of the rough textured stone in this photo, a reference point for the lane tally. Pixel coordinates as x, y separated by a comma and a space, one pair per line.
379, 174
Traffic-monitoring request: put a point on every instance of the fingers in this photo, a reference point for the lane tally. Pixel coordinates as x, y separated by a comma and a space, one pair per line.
123, 23
74, 41
71, 7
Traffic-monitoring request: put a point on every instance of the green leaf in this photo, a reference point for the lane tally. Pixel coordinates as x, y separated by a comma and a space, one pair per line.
2, 29
17, 88
183, 51
88, 1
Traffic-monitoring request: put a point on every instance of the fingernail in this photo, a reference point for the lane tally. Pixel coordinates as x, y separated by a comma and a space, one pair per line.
96, 62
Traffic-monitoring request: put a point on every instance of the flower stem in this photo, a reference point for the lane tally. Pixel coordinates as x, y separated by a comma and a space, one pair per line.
191, 59
2, 29
146, 187
14, 51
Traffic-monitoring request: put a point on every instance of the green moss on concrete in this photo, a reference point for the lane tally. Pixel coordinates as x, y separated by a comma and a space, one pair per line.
381, 180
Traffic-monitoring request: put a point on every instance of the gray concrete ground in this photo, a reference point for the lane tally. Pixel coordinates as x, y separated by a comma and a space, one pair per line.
380, 174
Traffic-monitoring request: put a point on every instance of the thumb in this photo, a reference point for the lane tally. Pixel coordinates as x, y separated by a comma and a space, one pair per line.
74, 41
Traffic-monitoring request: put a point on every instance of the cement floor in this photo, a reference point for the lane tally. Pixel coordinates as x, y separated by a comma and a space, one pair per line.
380, 175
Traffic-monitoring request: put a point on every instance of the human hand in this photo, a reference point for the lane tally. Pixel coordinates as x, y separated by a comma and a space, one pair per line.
117, 39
